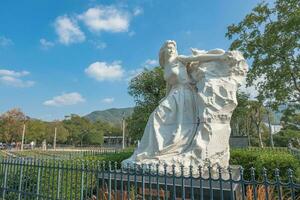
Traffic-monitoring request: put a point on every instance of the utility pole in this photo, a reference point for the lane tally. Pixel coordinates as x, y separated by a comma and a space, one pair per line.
23, 137
123, 130
54, 142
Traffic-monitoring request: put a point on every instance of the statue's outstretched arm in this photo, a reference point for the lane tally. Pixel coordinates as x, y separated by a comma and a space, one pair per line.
202, 58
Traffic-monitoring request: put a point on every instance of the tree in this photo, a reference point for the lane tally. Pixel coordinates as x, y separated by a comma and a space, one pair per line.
36, 131
62, 132
291, 118
257, 112
82, 131
240, 120
94, 137
147, 89
107, 128
11, 125
77, 127
290, 131
248, 119
283, 137
270, 36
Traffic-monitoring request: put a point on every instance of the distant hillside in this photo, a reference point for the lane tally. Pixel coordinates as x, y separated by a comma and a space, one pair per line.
113, 115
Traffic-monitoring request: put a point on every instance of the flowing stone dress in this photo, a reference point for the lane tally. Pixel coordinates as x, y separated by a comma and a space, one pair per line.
172, 125
191, 125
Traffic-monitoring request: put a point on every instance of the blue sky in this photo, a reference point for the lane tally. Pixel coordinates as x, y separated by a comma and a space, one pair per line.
76, 56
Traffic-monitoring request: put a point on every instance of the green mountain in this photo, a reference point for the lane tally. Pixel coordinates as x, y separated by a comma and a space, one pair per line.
113, 115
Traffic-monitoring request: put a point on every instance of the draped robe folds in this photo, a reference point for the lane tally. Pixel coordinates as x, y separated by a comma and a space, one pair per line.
191, 125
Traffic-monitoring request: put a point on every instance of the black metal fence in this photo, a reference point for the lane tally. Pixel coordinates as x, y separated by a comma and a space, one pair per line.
91, 180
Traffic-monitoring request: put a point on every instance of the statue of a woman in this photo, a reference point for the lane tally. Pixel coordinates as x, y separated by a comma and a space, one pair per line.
172, 126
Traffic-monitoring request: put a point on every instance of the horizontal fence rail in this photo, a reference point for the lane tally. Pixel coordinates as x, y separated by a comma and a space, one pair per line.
92, 180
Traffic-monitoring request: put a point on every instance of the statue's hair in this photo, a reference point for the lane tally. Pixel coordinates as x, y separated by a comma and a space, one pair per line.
162, 51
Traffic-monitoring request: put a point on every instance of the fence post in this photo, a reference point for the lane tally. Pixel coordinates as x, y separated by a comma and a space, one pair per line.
265, 181
97, 178
277, 182
58, 181
143, 182
242, 182
253, 181
38, 181
182, 181
165, 182
191, 182
128, 181
21, 177
200, 179
291, 183
135, 181
157, 181
231, 183
109, 180
5, 178
122, 186
115, 180
82, 180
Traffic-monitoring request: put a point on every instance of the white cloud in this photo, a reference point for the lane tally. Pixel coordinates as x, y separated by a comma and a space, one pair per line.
5, 72
137, 11
98, 44
106, 18
103, 71
150, 63
4, 41
65, 100
15, 82
14, 78
108, 100
46, 44
68, 31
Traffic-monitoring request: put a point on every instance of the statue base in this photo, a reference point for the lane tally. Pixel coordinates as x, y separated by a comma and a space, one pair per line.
140, 184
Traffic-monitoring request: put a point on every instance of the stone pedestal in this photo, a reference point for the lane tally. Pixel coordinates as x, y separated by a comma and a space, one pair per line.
149, 186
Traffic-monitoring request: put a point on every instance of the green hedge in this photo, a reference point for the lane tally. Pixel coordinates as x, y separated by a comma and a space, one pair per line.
267, 159
247, 158
109, 157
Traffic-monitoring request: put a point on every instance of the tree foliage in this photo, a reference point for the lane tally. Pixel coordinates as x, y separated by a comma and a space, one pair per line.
147, 89
269, 36
291, 118
240, 120
11, 125
73, 130
290, 131
249, 119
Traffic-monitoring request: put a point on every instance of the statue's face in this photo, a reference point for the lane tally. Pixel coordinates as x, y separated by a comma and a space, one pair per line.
171, 50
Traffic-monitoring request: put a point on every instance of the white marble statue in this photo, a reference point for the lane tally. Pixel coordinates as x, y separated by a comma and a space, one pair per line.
191, 125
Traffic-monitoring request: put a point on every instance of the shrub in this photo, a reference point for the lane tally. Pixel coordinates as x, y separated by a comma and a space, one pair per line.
268, 159
283, 137
110, 157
